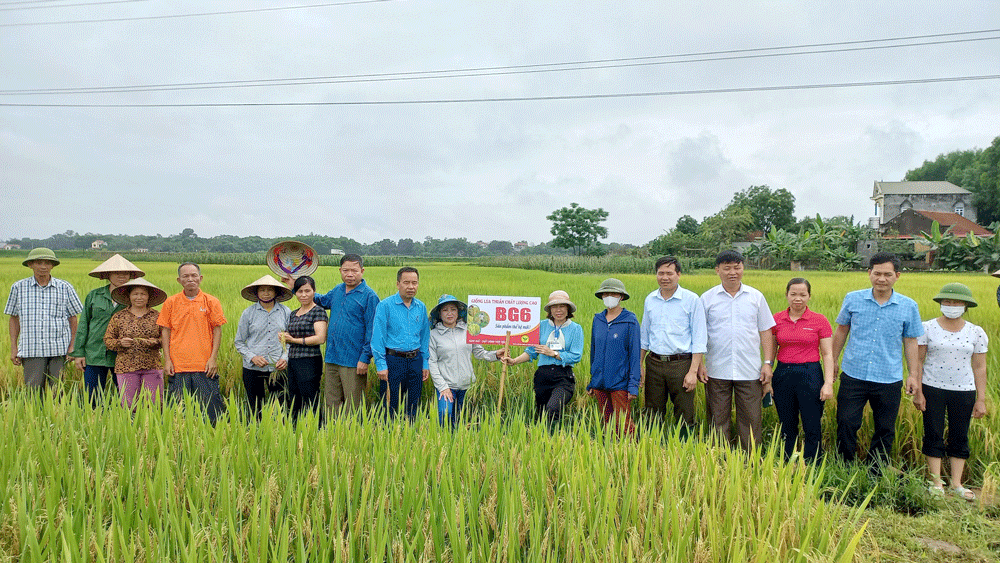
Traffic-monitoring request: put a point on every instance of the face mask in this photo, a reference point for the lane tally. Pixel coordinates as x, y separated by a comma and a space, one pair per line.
610, 301
952, 311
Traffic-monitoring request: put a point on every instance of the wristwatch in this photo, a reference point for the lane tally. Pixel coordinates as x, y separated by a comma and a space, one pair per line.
769, 362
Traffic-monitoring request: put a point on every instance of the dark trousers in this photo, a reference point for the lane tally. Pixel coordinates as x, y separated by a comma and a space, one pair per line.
796, 394
405, 376
665, 380
851, 399
957, 405
720, 394
95, 380
304, 376
259, 388
205, 389
554, 387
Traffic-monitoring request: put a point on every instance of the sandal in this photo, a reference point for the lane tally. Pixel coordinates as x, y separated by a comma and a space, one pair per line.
962, 492
936, 490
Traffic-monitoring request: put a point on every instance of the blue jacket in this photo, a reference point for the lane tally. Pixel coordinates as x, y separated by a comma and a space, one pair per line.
615, 353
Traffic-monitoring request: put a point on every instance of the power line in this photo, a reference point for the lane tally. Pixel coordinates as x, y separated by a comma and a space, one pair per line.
735, 54
78, 4
528, 98
200, 14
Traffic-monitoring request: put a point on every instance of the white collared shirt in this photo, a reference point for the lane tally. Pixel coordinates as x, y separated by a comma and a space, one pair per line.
734, 327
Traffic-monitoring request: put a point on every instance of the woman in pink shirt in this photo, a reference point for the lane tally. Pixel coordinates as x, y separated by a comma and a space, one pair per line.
800, 384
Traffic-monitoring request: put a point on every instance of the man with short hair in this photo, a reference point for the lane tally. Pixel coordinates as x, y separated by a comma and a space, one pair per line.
674, 340
882, 323
739, 326
192, 332
348, 339
43, 320
400, 338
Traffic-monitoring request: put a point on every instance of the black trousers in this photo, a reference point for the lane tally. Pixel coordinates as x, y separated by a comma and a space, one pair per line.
851, 399
796, 394
554, 388
957, 405
259, 388
304, 377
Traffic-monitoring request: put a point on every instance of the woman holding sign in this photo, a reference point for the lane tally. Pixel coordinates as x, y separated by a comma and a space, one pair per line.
615, 356
554, 381
448, 357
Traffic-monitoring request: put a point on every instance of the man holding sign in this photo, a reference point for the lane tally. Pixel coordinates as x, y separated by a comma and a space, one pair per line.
400, 336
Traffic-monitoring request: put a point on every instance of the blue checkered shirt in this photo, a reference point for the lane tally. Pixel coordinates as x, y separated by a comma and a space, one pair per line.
874, 350
44, 312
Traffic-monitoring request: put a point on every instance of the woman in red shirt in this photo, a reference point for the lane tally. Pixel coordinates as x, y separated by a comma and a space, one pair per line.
799, 384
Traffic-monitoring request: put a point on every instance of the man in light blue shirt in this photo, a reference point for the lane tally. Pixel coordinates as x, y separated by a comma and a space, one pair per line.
673, 341
881, 323
400, 337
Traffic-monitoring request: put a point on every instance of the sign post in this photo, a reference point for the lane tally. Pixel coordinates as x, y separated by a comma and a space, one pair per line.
503, 320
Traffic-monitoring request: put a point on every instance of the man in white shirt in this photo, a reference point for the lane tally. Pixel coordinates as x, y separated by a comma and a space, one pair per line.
739, 326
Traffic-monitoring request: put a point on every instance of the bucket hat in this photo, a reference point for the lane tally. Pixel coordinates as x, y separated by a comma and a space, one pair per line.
116, 263
612, 285
444, 300
958, 292
156, 295
559, 297
282, 293
41, 253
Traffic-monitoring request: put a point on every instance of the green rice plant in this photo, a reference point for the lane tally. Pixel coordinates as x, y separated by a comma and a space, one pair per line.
163, 484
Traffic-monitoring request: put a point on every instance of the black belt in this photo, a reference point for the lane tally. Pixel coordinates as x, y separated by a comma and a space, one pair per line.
670, 357
401, 354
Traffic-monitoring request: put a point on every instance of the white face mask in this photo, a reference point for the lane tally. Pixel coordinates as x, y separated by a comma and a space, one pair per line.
952, 311
610, 301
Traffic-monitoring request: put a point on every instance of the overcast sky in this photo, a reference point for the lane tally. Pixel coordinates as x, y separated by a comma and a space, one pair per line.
486, 170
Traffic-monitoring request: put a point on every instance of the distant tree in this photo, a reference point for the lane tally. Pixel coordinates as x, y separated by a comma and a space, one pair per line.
976, 170
405, 247
687, 225
578, 228
987, 188
727, 226
501, 247
768, 208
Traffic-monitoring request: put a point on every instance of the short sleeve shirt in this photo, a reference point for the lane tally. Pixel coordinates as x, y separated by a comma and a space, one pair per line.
874, 350
43, 312
302, 327
798, 341
191, 322
948, 363
734, 326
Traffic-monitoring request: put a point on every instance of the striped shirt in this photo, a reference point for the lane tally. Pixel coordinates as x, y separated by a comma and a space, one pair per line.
44, 312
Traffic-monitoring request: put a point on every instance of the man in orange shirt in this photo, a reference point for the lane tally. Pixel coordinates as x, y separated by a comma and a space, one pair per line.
192, 331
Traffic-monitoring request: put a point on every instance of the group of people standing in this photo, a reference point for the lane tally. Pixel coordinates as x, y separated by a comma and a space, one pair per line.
726, 338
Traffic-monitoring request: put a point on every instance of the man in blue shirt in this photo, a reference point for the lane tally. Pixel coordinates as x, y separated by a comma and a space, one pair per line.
881, 323
400, 336
348, 339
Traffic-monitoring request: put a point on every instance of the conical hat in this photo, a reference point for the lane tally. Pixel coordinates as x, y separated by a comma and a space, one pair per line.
282, 293
156, 295
116, 263
996, 274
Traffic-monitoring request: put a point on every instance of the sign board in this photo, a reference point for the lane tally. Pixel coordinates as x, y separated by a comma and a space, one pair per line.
491, 316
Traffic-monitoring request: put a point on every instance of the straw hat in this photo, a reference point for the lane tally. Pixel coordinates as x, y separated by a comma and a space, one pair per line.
292, 258
116, 263
612, 285
444, 300
156, 295
957, 292
40, 253
282, 293
559, 297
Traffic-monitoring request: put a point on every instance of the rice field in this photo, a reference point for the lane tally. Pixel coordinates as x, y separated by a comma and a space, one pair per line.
104, 485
